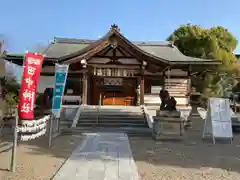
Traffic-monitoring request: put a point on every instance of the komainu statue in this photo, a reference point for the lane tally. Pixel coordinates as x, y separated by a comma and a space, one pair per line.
167, 122
164, 95
168, 103
171, 104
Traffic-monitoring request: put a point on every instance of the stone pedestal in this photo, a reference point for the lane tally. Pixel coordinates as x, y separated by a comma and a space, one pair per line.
168, 125
161, 113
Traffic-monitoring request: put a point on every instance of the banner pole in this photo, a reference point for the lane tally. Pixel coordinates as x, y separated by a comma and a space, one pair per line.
50, 131
14, 147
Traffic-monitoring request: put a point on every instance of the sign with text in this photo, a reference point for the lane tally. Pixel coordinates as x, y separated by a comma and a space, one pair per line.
218, 122
60, 81
30, 78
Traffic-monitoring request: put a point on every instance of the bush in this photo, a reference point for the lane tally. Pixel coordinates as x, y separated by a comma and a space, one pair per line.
11, 99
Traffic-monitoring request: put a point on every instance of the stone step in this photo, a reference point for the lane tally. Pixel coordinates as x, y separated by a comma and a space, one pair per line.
178, 95
110, 125
113, 113
67, 122
115, 118
107, 122
129, 130
116, 121
104, 108
169, 86
180, 91
177, 90
175, 85
111, 119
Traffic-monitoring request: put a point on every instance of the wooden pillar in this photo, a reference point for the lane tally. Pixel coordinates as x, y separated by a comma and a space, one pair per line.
189, 86
85, 88
141, 89
164, 78
89, 77
167, 76
143, 65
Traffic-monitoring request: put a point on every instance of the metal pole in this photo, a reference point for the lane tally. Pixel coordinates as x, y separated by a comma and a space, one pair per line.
54, 125
14, 147
50, 131
58, 125
86, 90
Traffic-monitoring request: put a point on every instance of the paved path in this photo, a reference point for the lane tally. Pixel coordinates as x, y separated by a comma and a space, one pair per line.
101, 156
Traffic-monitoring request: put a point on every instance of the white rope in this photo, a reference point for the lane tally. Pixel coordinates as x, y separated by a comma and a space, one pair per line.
30, 123
37, 128
27, 137
24, 129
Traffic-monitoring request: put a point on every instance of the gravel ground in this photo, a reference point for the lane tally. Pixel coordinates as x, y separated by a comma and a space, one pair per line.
35, 161
189, 159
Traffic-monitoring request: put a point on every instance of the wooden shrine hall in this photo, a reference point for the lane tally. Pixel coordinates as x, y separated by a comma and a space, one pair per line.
116, 71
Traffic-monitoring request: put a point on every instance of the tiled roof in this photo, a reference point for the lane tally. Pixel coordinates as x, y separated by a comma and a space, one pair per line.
162, 49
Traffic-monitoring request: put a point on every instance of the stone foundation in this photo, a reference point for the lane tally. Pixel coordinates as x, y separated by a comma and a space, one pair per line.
168, 125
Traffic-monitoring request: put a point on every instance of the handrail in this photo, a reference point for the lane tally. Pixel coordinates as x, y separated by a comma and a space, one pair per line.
149, 117
76, 118
97, 116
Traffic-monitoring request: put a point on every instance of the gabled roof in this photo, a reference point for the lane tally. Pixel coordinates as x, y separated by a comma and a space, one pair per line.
160, 51
62, 49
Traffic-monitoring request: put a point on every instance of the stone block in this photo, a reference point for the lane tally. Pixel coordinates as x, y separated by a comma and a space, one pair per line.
167, 128
165, 113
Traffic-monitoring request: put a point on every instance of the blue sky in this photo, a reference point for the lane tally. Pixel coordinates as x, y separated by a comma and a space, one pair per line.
26, 24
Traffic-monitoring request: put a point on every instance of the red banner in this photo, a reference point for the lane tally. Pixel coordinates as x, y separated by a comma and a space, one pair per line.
31, 74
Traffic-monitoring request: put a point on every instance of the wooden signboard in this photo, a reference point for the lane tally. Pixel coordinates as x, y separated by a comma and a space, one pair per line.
218, 122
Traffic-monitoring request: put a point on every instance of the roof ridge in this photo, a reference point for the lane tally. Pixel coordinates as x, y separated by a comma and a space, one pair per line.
72, 40
89, 41
153, 43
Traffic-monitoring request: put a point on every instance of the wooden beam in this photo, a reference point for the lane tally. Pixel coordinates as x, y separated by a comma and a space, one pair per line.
114, 58
114, 63
117, 57
105, 51
128, 66
122, 51
88, 54
130, 51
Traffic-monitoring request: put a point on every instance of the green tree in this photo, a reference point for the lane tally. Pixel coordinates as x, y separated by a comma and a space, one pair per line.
214, 43
10, 89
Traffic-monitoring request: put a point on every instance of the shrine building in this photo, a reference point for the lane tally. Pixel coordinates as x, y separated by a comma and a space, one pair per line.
116, 71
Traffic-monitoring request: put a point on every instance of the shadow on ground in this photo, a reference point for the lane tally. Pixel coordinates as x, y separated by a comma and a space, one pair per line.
191, 152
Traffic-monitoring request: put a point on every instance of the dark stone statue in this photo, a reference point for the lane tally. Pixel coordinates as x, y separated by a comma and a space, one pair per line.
47, 98
168, 103
171, 104
164, 95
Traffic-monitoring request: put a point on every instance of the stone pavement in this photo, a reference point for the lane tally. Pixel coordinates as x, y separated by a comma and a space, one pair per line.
101, 156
